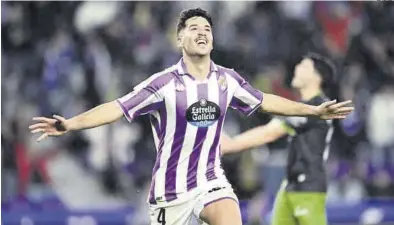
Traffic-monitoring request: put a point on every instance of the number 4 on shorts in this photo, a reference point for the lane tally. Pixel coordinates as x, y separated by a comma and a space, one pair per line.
161, 218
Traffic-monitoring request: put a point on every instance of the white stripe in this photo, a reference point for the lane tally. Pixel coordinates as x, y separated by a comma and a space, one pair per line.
190, 137
328, 140
155, 137
232, 86
213, 96
219, 172
170, 130
247, 97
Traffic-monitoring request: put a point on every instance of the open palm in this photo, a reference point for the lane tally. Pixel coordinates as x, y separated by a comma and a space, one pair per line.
55, 126
332, 110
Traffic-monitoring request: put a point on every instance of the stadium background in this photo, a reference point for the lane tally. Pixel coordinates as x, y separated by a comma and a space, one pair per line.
67, 57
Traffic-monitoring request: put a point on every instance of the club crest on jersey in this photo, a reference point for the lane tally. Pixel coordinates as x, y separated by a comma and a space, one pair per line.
203, 102
203, 113
222, 83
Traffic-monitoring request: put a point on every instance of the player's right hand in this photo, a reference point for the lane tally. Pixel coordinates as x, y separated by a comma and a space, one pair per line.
55, 126
333, 110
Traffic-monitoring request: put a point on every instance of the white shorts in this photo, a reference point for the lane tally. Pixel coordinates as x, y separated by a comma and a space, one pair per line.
181, 214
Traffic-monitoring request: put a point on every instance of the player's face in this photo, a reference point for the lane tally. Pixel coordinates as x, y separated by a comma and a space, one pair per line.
304, 74
196, 38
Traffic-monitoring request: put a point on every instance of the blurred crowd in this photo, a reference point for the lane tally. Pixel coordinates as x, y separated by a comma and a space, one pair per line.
67, 57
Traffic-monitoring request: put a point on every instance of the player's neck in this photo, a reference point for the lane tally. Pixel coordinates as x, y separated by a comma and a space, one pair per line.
197, 66
308, 93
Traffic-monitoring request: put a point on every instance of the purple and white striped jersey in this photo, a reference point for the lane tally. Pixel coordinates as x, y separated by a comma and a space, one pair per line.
187, 118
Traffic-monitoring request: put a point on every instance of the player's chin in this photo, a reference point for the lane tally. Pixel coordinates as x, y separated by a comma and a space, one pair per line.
197, 52
203, 52
200, 54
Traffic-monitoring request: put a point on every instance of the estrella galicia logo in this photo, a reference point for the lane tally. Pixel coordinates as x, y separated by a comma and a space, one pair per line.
203, 113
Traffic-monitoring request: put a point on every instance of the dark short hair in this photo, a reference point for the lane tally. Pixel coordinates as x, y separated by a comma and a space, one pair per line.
324, 67
190, 13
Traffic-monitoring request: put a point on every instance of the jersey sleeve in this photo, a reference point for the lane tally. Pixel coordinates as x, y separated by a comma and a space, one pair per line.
245, 99
145, 98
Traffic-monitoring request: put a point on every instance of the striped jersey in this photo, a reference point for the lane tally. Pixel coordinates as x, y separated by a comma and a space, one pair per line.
187, 118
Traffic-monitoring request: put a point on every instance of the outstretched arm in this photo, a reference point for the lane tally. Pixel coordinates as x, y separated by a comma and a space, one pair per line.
328, 110
247, 99
98, 116
144, 99
103, 114
254, 137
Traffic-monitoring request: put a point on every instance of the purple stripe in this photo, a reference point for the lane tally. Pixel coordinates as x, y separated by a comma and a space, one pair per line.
152, 197
179, 136
148, 91
149, 108
202, 93
137, 99
210, 173
240, 105
161, 135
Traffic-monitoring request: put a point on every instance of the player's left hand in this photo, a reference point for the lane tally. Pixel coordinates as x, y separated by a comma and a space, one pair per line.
333, 110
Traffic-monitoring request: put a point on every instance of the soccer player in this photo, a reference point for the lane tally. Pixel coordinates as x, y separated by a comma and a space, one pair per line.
302, 196
187, 104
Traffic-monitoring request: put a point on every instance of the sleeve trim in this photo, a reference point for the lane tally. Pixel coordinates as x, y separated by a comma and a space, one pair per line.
125, 112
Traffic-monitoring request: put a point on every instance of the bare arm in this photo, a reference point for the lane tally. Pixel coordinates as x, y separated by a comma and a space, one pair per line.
98, 116
252, 138
328, 110
103, 114
281, 106
142, 100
